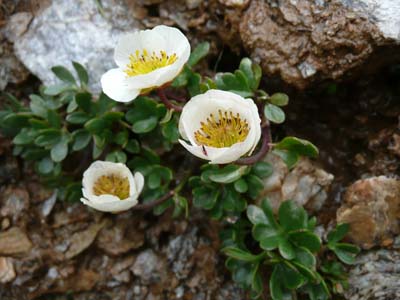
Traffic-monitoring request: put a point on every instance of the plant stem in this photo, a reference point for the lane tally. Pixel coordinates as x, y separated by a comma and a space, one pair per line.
168, 104
152, 204
266, 139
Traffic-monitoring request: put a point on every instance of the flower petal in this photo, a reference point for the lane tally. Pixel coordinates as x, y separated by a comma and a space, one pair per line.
139, 180
116, 86
106, 204
139, 40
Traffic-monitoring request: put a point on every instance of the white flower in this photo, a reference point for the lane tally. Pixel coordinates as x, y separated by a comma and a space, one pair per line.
220, 126
146, 59
111, 187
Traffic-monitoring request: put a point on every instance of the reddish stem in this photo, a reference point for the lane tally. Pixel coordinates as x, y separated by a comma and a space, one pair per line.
168, 104
266, 139
152, 204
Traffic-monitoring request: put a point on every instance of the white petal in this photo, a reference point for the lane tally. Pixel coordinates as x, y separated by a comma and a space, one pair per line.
116, 86
139, 40
175, 41
139, 180
106, 204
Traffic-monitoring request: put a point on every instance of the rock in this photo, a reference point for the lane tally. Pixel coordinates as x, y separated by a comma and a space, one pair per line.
306, 183
120, 237
310, 41
372, 208
82, 240
148, 266
375, 276
82, 33
14, 241
7, 272
14, 202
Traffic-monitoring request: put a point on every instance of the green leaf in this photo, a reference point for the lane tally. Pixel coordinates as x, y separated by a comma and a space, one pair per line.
274, 113
242, 255
338, 233
345, 252
78, 117
56, 89
96, 125
255, 184
256, 215
279, 99
267, 209
60, 150
63, 74
291, 216
146, 125
81, 139
241, 186
292, 278
48, 137
305, 257
286, 249
288, 157
271, 242
198, 53
278, 292
38, 106
54, 119
133, 147
45, 166
84, 101
204, 197
305, 239
252, 72
82, 73
116, 156
121, 138
299, 146
228, 174
16, 120
262, 169
170, 131
261, 232
193, 84
25, 136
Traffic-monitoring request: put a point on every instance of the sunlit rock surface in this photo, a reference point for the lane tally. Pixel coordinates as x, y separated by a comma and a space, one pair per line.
372, 208
74, 31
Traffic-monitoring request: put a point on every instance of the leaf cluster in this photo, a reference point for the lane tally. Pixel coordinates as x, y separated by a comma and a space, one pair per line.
289, 248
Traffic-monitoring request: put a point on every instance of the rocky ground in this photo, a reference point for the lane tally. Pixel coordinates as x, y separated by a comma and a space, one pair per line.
49, 250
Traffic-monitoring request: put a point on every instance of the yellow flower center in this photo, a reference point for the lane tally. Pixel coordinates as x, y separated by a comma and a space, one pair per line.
143, 63
112, 185
225, 131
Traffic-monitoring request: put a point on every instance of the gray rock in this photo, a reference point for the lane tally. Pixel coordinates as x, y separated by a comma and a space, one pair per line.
306, 184
74, 31
375, 276
148, 266
308, 41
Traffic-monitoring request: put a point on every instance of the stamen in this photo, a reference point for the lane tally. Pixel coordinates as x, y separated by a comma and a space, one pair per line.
143, 63
112, 185
224, 131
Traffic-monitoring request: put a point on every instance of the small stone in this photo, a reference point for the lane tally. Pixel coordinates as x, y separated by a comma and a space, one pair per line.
148, 266
7, 272
306, 184
14, 201
17, 25
80, 241
5, 223
372, 208
14, 241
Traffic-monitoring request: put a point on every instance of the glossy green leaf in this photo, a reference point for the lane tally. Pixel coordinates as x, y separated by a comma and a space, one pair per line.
286, 249
78, 117
262, 169
338, 233
84, 101
279, 99
240, 254
45, 166
146, 125
241, 186
274, 113
63, 74
82, 73
81, 139
198, 53
299, 146
292, 216
228, 174
60, 150
306, 239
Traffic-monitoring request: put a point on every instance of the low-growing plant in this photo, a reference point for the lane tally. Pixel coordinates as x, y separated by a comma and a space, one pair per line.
65, 128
